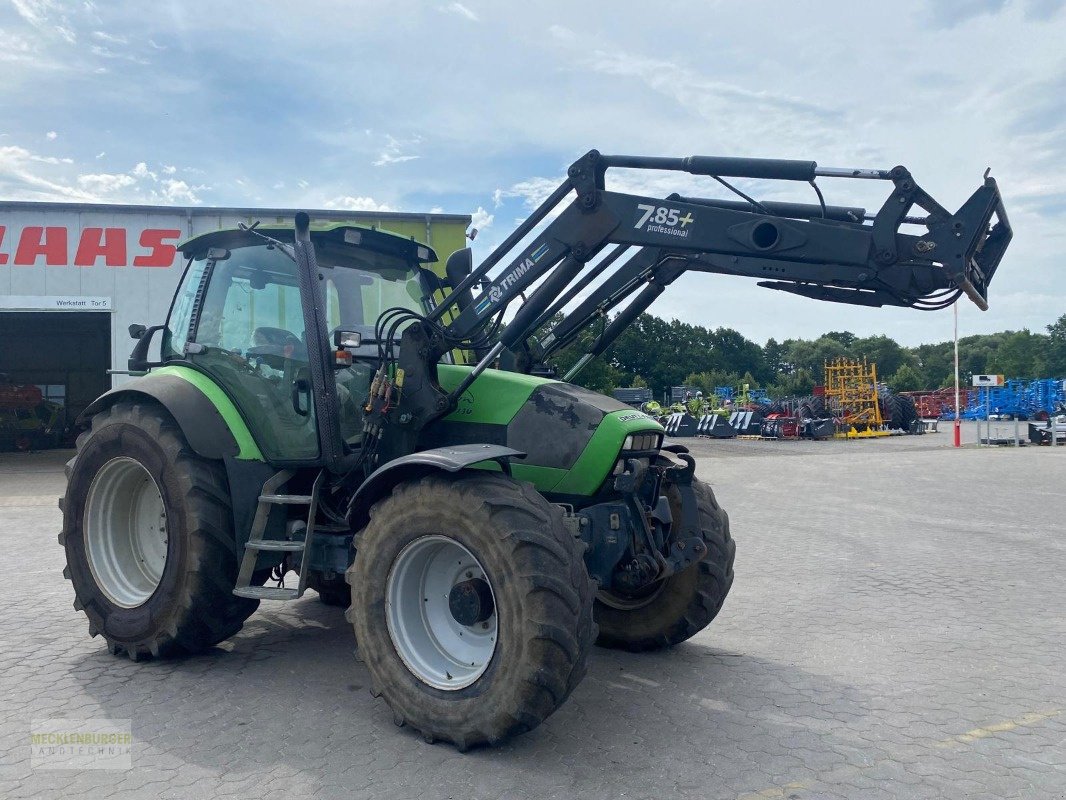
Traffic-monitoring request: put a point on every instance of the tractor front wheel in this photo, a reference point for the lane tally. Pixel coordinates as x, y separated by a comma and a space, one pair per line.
148, 534
471, 607
678, 607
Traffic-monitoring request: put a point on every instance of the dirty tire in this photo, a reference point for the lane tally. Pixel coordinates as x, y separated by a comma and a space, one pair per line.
543, 601
687, 601
908, 412
193, 607
891, 411
333, 590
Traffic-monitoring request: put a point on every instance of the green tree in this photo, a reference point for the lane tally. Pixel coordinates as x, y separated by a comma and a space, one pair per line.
935, 364
906, 379
886, 353
846, 338
707, 382
811, 355
799, 383
1021, 354
1056, 348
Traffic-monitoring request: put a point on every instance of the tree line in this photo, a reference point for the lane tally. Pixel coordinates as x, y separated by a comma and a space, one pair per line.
659, 354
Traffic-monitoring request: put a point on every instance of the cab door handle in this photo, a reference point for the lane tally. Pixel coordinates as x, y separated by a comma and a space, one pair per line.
301, 386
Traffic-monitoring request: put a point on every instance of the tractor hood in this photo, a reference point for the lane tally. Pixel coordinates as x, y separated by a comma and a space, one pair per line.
572, 436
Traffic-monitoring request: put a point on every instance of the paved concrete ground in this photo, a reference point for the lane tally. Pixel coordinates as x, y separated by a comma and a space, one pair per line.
897, 629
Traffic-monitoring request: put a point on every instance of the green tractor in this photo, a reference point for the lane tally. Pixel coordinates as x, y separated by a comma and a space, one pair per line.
327, 402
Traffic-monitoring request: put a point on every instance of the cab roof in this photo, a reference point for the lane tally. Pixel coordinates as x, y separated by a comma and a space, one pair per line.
339, 232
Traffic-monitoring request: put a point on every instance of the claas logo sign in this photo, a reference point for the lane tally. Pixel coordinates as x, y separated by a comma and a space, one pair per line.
55, 246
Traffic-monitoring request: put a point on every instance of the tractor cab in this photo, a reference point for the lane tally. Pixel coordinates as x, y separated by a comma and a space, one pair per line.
238, 317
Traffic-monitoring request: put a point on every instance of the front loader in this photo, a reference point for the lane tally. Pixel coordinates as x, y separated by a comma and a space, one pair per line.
326, 403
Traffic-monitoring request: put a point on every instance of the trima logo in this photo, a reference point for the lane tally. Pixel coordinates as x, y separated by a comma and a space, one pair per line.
495, 294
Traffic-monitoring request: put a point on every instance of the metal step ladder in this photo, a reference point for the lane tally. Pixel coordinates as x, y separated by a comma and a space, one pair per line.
256, 544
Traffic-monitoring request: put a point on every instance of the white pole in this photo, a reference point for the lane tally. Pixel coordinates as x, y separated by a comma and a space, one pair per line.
958, 423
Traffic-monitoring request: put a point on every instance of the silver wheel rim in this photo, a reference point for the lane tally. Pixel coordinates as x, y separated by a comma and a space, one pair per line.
433, 644
125, 532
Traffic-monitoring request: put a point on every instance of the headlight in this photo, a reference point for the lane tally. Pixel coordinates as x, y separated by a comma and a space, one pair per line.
640, 442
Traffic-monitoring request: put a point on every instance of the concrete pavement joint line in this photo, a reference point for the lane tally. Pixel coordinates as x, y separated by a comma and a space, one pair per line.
834, 777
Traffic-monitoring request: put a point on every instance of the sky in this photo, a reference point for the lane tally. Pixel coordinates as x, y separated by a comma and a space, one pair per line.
478, 108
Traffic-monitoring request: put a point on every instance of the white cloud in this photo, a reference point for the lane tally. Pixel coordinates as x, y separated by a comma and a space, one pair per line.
481, 219
20, 179
349, 203
174, 191
393, 152
51, 159
51, 136
101, 154
169, 169
461, 10
106, 182
532, 191
107, 52
35, 12
19, 49
103, 36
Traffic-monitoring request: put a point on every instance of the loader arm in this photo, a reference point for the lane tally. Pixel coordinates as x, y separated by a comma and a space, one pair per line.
834, 253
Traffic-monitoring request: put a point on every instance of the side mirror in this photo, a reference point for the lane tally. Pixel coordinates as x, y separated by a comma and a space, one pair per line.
137, 330
347, 339
458, 267
138, 361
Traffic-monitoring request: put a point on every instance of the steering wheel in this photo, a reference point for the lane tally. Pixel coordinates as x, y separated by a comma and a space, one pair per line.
279, 346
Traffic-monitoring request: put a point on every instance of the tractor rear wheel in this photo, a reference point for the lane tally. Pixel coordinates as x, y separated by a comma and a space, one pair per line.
147, 530
682, 605
471, 606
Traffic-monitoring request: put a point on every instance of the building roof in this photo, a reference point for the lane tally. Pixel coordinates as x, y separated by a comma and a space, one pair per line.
193, 211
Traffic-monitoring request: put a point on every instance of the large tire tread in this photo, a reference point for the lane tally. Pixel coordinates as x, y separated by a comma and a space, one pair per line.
555, 633
702, 598
203, 610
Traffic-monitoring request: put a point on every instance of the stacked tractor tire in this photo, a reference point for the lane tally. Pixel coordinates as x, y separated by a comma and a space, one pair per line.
898, 412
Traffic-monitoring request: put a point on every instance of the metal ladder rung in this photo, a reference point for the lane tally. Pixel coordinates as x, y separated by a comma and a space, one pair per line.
283, 545
256, 543
267, 592
286, 499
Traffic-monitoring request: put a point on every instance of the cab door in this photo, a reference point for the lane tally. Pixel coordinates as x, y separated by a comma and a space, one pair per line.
245, 329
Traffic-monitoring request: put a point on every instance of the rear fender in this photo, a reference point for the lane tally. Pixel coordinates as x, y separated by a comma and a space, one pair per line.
208, 419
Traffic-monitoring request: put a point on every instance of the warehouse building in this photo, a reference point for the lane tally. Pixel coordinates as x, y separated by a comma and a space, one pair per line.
74, 277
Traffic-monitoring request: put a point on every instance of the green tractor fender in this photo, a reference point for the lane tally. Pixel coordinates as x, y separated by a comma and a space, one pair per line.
207, 417
416, 465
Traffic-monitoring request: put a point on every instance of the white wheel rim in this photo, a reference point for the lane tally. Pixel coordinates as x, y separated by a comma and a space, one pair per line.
436, 647
125, 532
